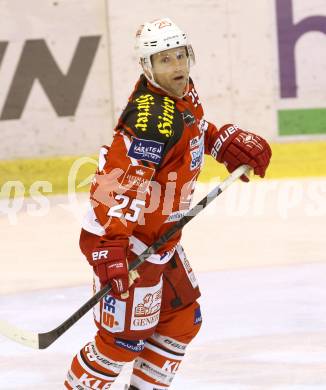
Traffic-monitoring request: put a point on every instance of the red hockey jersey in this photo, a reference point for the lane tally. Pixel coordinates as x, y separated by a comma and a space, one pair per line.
146, 178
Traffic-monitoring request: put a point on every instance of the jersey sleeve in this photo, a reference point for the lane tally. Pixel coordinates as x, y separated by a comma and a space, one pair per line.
211, 135
121, 189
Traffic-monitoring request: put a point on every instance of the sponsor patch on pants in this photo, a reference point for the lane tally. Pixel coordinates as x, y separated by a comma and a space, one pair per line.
131, 345
113, 314
197, 319
146, 307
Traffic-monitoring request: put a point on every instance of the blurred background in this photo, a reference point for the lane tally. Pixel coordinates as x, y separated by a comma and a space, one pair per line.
67, 68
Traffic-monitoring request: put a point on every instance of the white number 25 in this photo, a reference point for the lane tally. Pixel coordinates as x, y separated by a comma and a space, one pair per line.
135, 208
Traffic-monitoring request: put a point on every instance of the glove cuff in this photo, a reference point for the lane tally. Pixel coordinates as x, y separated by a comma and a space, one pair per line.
224, 137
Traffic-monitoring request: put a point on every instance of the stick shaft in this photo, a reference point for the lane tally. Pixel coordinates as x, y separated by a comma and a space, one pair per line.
43, 340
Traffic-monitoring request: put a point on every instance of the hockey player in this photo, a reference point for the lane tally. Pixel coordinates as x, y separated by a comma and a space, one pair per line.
144, 183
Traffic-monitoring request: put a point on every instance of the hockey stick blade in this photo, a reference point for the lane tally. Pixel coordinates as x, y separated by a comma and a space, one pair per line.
24, 337
44, 340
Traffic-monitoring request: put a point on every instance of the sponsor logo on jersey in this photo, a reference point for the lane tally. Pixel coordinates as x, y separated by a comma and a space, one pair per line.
194, 142
196, 152
196, 157
142, 149
132, 345
165, 124
198, 318
137, 178
146, 307
143, 105
188, 118
203, 125
113, 314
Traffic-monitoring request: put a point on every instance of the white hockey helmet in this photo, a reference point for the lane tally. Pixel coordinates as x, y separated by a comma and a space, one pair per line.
156, 36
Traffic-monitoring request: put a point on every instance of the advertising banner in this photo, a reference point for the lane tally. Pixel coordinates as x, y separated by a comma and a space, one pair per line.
54, 78
67, 68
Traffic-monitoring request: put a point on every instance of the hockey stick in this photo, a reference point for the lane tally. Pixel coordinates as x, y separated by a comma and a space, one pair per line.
43, 340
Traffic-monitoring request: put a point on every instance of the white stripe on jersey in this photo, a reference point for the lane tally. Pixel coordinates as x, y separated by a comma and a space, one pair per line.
139, 247
90, 223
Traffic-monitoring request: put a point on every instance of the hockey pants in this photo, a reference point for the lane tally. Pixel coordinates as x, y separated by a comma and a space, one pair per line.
156, 359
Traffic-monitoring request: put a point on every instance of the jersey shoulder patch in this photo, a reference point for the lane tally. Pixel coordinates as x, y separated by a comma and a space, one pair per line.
153, 117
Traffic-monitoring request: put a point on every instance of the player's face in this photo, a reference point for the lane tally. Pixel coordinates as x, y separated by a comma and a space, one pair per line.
171, 70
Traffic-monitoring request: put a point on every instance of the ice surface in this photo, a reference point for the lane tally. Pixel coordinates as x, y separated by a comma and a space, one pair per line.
264, 328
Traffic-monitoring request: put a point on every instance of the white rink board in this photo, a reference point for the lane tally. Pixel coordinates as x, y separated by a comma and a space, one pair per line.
237, 74
61, 26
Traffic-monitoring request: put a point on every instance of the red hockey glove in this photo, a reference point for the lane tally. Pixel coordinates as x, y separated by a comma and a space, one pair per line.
235, 147
109, 260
